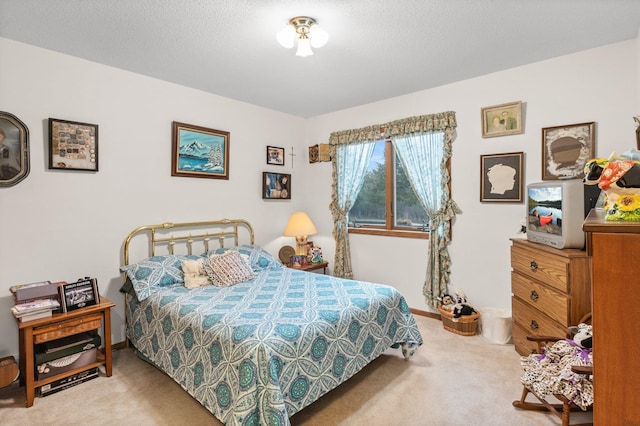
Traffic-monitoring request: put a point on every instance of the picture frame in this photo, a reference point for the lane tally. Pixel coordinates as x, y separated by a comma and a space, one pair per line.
14, 150
199, 152
309, 249
502, 120
73, 145
501, 177
566, 149
276, 186
79, 294
275, 155
314, 154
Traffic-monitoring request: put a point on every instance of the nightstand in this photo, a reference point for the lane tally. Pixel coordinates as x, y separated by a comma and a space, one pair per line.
58, 326
311, 267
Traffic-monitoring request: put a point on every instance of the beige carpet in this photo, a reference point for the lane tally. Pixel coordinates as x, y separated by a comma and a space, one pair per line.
451, 380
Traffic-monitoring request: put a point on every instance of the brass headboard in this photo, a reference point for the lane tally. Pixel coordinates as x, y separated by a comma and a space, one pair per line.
188, 234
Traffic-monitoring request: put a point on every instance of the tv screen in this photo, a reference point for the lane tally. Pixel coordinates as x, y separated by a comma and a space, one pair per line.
555, 213
545, 209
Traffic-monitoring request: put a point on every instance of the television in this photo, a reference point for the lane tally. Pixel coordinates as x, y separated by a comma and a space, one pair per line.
556, 210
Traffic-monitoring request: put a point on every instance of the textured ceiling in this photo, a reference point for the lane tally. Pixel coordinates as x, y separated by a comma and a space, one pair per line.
377, 48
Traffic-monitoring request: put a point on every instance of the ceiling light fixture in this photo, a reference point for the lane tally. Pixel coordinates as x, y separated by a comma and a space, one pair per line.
307, 31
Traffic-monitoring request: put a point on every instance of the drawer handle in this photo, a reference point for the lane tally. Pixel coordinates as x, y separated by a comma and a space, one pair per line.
533, 265
534, 295
534, 325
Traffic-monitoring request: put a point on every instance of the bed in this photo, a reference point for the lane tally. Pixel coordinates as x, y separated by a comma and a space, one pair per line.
260, 350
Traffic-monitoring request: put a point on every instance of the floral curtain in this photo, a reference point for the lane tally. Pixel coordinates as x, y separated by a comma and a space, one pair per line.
431, 151
349, 168
425, 142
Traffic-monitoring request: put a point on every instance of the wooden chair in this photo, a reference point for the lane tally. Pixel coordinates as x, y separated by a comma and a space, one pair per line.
563, 410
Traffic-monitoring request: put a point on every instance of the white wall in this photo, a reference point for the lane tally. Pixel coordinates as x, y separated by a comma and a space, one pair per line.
60, 225
598, 85
63, 225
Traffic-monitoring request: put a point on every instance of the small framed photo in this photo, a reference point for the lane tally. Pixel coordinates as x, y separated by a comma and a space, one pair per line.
80, 294
14, 150
309, 249
298, 261
73, 145
501, 177
275, 155
314, 154
199, 152
566, 149
276, 186
502, 120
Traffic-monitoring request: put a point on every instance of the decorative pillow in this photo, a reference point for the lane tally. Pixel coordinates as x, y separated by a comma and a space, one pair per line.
156, 271
194, 273
259, 258
227, 269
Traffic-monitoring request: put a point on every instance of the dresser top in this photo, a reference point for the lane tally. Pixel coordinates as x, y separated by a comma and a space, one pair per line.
595, 222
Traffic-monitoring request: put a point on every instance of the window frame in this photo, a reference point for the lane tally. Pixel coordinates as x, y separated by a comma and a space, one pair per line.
389, 229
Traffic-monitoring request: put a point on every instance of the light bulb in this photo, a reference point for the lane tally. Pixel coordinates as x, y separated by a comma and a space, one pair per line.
318, 36
286, 37
304, 47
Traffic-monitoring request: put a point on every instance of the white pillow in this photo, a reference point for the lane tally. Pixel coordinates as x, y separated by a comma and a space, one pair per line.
194, 273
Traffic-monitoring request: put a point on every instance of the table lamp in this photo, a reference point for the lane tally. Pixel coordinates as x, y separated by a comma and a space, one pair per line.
300, 226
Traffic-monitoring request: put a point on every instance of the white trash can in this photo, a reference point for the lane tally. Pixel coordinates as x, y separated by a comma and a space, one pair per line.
495, 325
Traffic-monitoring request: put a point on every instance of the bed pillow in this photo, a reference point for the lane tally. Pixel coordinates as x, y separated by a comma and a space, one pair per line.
194, 273
259, 258
154, 272
228, 269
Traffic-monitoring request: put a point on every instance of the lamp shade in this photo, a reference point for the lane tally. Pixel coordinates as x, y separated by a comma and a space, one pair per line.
299, 225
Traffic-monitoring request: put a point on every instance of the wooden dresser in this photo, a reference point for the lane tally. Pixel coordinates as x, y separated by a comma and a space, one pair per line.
615, 252
551, 290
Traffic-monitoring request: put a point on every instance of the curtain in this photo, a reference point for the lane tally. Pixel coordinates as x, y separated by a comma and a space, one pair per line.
432, 136
349, 168
418, 153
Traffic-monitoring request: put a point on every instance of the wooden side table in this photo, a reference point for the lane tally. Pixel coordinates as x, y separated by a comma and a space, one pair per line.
312, 267
58, 326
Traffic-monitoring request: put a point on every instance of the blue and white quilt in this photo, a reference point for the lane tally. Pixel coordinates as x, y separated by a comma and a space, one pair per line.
262, 350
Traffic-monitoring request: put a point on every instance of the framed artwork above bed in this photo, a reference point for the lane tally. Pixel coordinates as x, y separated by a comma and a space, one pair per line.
200, 152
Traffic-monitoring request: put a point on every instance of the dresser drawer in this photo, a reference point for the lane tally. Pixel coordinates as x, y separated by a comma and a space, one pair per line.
542, 266
544, 298
66, 328
523, 346
535, 322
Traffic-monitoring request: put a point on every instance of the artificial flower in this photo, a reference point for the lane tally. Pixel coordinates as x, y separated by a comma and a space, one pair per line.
629, 202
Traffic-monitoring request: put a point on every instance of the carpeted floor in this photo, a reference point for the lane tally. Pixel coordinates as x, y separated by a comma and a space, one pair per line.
451, 380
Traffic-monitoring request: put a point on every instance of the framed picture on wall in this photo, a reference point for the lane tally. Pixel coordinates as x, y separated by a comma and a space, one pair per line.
501, 177
276, 186
200, 152
275, 155
14, 150
73, 145
566, 149
502, 120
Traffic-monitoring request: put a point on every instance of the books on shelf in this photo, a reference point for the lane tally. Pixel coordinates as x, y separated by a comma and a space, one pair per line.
34, 315
69, 381
40, 308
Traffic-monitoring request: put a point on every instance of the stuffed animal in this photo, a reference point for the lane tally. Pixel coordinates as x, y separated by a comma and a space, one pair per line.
462, 306
582, 335
447, 302
619, 178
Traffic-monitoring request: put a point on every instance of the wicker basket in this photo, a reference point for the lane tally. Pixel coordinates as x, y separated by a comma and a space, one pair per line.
466, 325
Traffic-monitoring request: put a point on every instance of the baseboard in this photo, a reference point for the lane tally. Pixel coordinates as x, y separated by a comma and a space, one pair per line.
426, 314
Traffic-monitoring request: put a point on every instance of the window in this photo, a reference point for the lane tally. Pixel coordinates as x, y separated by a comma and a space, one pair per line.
386, 203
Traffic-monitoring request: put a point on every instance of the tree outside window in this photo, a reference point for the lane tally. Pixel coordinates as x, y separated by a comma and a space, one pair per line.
386, 203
